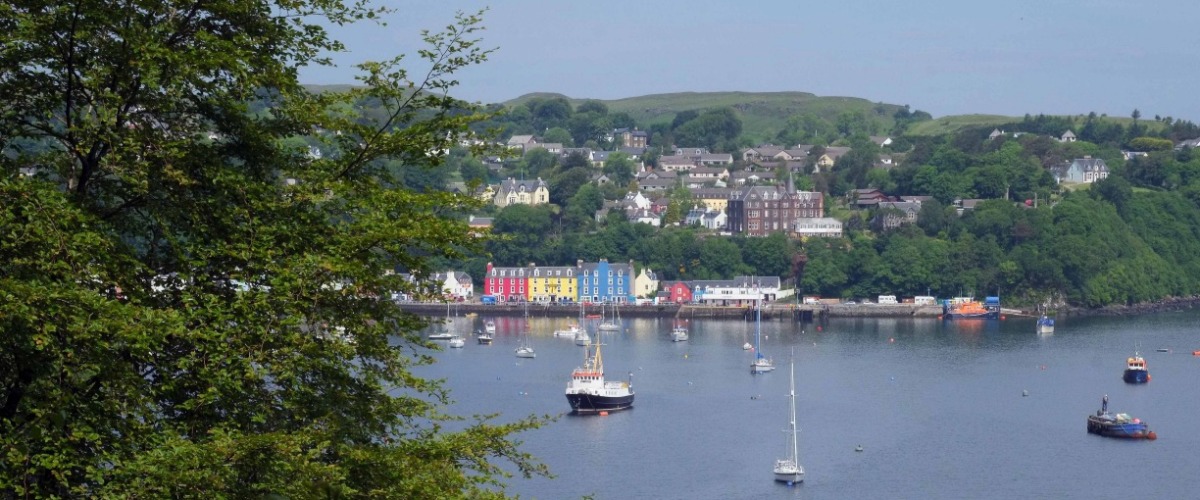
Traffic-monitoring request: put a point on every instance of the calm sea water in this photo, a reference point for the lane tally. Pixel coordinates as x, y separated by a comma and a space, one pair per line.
937, 407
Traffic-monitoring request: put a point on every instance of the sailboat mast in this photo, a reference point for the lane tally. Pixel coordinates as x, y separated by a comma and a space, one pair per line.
795, 447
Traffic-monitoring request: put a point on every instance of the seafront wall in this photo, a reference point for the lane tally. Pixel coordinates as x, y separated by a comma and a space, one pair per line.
770, 311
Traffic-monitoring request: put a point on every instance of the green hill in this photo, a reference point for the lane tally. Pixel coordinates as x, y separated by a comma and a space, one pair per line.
763, 114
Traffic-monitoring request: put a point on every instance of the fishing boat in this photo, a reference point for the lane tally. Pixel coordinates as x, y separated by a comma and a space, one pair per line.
969, 308
524, 347
610, 324
489, 327
1045, 325
457, 341
679, 334
1118, 425
789, 470
589, 392
1135, 370
761, 364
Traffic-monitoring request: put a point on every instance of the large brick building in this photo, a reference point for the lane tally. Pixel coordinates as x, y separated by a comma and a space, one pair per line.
762, 210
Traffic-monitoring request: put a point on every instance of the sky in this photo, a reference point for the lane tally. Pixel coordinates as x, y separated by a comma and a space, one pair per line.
946, 57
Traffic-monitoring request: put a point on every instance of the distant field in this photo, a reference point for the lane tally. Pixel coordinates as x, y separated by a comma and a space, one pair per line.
947, 124
763, 114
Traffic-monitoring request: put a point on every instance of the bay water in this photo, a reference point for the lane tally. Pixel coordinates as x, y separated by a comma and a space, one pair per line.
941, 409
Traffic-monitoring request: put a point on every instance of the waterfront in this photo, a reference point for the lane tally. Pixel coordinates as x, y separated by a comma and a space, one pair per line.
937, 407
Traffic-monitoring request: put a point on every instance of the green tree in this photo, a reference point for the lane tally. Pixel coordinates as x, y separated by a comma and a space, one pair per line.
558, 135
619, 168
179, 311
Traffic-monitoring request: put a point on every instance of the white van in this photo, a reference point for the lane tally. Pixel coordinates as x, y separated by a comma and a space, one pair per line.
887, 299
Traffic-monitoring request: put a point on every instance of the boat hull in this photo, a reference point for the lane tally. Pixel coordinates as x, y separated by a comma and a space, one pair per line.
1123, 430
972, 315
789, 477
1136, 376
584, 403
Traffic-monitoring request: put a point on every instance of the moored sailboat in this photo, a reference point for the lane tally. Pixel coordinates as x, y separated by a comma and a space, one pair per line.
761, 363
524, 348
788, 469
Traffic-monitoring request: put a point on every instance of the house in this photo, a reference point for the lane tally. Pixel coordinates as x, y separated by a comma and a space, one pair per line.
522, 142
633, 138
634, 153
514, 192
455, 285
1129, 155
763, 152
586, 153
711, 159
507, 284
869, 197
597, 158
695, 216
995, 133
657, 185
830, 156
714, 199
817, 227
962, 205
677, 292
744, 177
636, 200
644, 216
645, 284
1190, 143
762, 210
897, 213
714, 220
1084, 170
605, 282
676, 163
554, 148
552, 284
1067, 136
881, 141
793, 154
479, 225
708, 173
678, 151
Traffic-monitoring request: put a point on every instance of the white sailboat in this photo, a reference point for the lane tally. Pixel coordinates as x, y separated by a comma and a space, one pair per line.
788, 469
524, 348
610, 324
457, 341
761, 364
581, 335
443, 333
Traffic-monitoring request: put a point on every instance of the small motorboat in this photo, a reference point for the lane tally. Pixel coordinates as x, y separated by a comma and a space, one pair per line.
457, 341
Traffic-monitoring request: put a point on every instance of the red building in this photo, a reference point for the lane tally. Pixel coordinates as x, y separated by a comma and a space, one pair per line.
507, 284
678, 292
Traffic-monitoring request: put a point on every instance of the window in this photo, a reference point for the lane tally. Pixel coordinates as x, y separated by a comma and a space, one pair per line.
610, 292
610, 282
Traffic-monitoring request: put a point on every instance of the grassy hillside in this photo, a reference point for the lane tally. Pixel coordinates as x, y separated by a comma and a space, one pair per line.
763, 114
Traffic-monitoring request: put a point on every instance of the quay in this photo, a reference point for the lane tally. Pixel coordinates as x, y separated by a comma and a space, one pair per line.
774, 311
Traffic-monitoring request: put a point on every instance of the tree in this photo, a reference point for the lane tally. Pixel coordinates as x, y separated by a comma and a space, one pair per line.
619, 168
178, 308
558, 135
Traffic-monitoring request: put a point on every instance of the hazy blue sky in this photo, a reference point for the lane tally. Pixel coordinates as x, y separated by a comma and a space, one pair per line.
1007, 57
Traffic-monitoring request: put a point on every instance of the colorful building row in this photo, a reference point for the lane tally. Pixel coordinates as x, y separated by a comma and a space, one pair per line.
585, 282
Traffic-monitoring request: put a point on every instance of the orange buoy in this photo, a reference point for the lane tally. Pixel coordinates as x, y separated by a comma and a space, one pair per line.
1147, 377
939, 316
603, 414
1151, 436
891, 340
1003, 316
819, 329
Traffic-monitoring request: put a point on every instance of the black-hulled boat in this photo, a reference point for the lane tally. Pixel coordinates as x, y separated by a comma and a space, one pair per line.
588, 392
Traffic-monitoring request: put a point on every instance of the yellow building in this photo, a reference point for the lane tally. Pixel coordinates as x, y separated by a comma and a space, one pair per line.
714, 199
645, 285
551, 284
514, 192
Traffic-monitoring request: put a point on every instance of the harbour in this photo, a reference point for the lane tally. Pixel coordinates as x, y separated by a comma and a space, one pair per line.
940, 409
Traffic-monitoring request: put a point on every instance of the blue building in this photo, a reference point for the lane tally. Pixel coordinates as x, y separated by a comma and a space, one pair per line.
605, 282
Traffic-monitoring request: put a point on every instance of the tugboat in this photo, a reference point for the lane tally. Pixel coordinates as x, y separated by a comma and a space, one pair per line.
588, 392
1119, 425
1135, 370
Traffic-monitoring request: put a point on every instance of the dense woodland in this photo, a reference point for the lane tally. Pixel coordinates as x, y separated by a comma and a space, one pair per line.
1132, 238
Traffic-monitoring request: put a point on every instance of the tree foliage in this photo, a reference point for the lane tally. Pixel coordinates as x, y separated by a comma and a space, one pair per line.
192, 303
